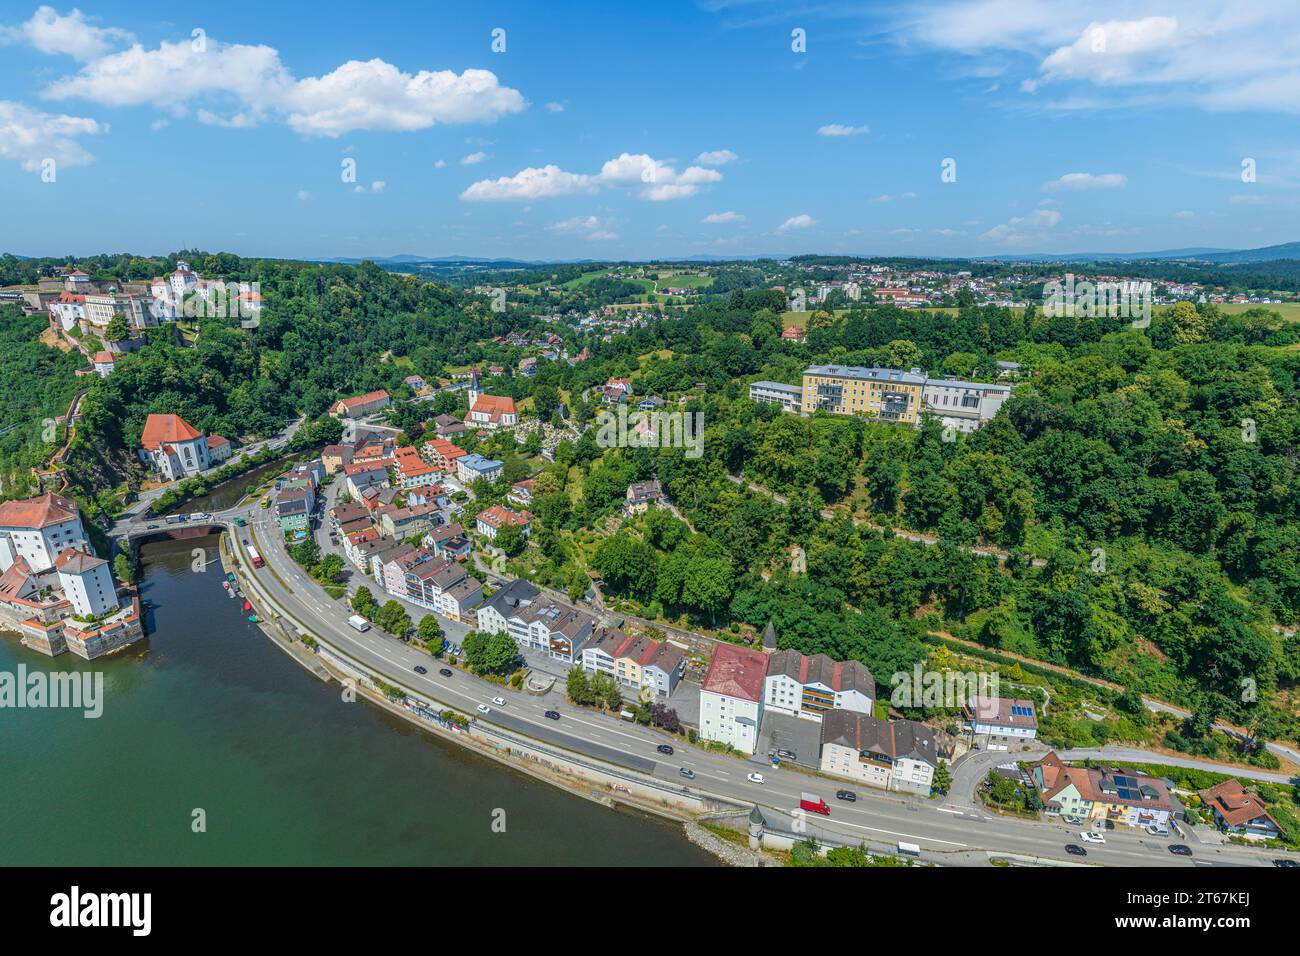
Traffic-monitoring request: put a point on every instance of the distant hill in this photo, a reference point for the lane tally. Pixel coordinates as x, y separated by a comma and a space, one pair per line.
1287, 250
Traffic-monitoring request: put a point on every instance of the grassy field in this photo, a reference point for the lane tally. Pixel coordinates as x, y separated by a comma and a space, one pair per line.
684, 280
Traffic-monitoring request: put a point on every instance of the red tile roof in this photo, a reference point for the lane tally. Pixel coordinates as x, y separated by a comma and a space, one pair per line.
1234, 804
363, 399
164, 429
736, 672
36, 513
494, 406
496, 516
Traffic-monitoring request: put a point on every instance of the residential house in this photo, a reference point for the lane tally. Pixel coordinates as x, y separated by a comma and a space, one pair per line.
895, 755
493, 519
442, 454
635, 662
448, 425
361, 476
1238, 812
1095, 795
407, 522
470, 468
521, 492
789, 397
964, 406
809, 686
412, 471
731, 697
536, 622
1001, 717
643, 495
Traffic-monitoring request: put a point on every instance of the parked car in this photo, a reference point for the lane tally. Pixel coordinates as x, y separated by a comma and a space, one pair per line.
1157, 831
1107, 824
421, 669
1285, 863
787, 755
1091, 836
483, 709
1180, 849
848, 796
665, 749
1075, 850
687, 772
499, 701
445, 671
754, 777
1073, 821
552, 715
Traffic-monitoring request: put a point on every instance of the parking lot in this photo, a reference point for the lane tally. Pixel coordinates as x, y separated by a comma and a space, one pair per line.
783, 732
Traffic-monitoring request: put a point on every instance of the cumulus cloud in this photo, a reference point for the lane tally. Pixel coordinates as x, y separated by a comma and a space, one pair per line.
653, 180
303, 195
32, 136
73, 35
716, 157
250, 85
555, 107
839, 129
545, 182
473, 159
1087, 181
715, 218
574, 224
801, 221
1022, 229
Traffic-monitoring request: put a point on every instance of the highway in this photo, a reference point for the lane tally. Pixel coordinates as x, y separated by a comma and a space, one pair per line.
951, 830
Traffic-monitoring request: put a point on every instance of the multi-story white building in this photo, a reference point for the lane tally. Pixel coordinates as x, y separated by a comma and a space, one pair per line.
962, 405
38, 530
808, 687
87, 583
898, 755
731, 697
174, 446
536, 622
789, 397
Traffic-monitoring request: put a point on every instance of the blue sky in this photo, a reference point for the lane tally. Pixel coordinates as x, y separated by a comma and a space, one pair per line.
612, 130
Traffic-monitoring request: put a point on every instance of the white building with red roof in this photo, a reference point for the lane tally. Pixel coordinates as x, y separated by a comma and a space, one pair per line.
87, 583
38, 529
174, 446
493, 519
731, 697
103, 363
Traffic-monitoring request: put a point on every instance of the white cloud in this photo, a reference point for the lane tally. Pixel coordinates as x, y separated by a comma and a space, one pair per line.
839, 129
545, 182
1022, 229
1087, 181
32, 136
716, 157
369, 95
801, 221
577, 223
72, 35
473, 159
715, 218
440, 164
555, 107
1184, 214
378, 186
602, 235
1149, 53
654, 180
303, 195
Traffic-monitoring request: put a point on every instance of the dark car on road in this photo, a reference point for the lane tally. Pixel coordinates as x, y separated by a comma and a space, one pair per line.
445, 671
1180, 849
1285, 863
847, 795
421, 669
1107, 824
785, 754
1075, 850
552, 715
665, 749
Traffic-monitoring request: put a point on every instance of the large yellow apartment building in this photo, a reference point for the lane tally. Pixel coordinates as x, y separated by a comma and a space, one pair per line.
885, 394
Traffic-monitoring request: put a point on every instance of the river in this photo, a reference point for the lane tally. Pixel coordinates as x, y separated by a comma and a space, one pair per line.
208, 715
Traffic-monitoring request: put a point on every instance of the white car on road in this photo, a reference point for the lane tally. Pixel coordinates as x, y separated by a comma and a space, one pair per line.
484, 709
1091, 837
499, 701
755, 778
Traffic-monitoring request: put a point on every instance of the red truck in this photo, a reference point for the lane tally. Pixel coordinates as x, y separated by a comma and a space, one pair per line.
813, 804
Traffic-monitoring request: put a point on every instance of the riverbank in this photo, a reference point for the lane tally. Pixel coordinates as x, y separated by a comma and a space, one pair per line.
585, 777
